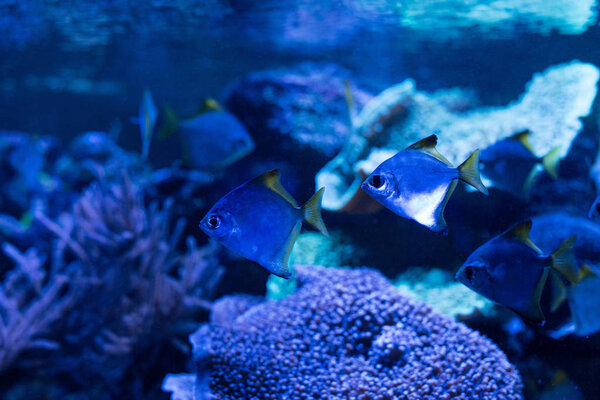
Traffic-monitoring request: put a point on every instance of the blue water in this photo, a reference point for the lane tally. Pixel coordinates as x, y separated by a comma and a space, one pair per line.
120, 229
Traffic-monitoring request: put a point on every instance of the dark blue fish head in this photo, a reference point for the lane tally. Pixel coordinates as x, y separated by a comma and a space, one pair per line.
218, 224
475, 275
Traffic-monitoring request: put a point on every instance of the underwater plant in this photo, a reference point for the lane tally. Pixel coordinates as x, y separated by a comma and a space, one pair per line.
344, 334
132, 289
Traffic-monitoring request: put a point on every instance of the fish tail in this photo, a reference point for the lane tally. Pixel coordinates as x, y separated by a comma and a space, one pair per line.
312, 212
563, 260
468, 172
550, 162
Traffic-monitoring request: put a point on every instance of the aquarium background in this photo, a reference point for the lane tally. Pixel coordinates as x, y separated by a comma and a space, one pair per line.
104, 270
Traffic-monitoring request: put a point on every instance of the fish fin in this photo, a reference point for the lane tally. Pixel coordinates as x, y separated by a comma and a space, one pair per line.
521, 233
585, 271
170, 125
312, 212
537, 315
280, 267
550, 162
210, 104
595, 208
427, 146
270, 179
559, 291
563, 260
468, 172
350, 103
442, 226
523, 138
529, 181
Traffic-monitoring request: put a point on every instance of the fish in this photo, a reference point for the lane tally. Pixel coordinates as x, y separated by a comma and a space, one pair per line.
417, 182
512, 271
146, 119
260, 221
213, 139
512, 165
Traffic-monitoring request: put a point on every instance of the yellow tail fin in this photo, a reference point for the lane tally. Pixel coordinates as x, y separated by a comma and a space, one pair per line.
312, 212
468, 172
550, 162
563, 260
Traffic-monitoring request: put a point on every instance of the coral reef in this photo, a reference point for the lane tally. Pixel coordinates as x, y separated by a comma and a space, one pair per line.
139, 291
497, 18
346, 334
300, 114
313, 248
550, 108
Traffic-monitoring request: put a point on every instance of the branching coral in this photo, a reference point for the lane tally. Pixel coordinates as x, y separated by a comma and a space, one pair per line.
140, 289
31, 302
348, 334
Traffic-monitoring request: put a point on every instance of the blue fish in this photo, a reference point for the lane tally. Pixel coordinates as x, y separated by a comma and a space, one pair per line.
260, 221
146, 119
211, 140
513, 166
512, 271
417, 182
214, 139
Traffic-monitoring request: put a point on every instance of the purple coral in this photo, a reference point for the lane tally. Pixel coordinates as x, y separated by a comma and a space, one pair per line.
349, 334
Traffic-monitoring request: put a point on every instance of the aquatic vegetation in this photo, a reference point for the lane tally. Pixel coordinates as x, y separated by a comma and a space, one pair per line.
261, 221
550, 108
417, 182
33, 299
138, 291
346, 334
438, 289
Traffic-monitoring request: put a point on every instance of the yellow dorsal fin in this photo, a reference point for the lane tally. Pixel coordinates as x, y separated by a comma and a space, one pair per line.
523, 137
211, 104
427, 146
563, 260
520, 232
270, 179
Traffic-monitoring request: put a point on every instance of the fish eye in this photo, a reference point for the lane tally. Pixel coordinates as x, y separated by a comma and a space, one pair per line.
213, 221
469, 273
377, 181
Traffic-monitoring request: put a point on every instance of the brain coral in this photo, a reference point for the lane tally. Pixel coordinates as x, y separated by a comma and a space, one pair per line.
349, 334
